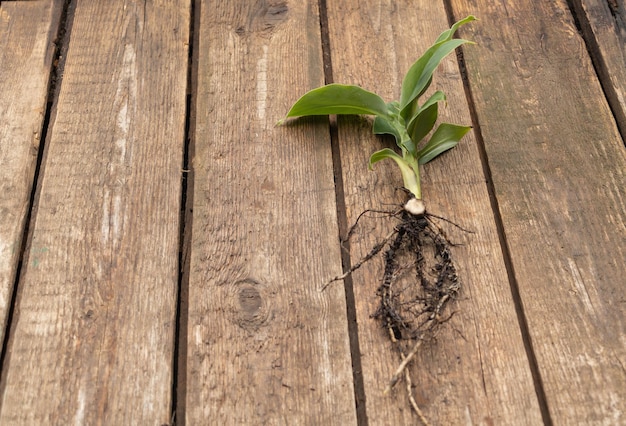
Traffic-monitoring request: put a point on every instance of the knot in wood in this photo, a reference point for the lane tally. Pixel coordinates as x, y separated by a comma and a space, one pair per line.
249, 304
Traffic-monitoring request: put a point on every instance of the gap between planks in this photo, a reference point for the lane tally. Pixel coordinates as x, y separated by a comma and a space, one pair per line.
342, 222
583, 24
64, 14
179, 385
506, 253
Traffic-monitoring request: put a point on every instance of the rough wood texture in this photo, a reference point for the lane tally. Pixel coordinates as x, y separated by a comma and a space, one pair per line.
27, 34
92, 338
265, 346
93, 333
477, 371
558, 168
603, 23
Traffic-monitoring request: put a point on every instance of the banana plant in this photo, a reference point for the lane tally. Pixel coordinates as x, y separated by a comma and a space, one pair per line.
410, 120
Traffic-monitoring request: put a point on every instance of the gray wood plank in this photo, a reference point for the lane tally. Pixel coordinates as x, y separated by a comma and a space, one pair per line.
603, 24
558, 166
264, 345
27, 32
93, 334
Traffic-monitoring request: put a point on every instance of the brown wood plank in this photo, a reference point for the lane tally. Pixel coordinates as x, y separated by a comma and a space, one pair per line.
27, 32
264, 345
603, 23
93, 333
558, 167
477, 371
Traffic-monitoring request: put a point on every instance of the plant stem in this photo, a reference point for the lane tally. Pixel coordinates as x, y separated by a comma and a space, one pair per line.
411, 176
418, 183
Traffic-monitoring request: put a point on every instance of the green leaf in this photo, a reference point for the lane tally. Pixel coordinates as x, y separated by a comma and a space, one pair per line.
418, 78
384, 154
436, 97
338, 99
424, 123
384, 126
420, 74
391, 126
406, 120
424, 119
445, 137
409, 176
447, 34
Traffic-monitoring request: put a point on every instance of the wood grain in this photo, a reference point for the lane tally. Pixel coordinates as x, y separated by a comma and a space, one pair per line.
93, 334
265, 346
603, 23
476, 372
27, 34
558, 167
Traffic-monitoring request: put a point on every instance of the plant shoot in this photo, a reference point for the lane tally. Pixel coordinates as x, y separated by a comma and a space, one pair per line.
410, 120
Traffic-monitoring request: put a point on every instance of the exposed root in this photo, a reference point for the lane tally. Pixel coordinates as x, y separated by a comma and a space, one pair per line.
430, 216
373, 252
419, 280
413, 310
353, 228
402, 367
409, 391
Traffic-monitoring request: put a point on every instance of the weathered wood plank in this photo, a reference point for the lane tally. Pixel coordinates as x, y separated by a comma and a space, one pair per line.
603, 23
558, 167
27, 32
477, 371
265, 346
93, 333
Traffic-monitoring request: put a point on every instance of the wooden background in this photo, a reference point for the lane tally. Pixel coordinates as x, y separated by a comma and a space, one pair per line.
162, 242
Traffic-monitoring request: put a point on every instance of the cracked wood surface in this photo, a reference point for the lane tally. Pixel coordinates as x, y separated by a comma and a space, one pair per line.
92, 338
535, 338
264, 344
27, 33
603, 23
558, 166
